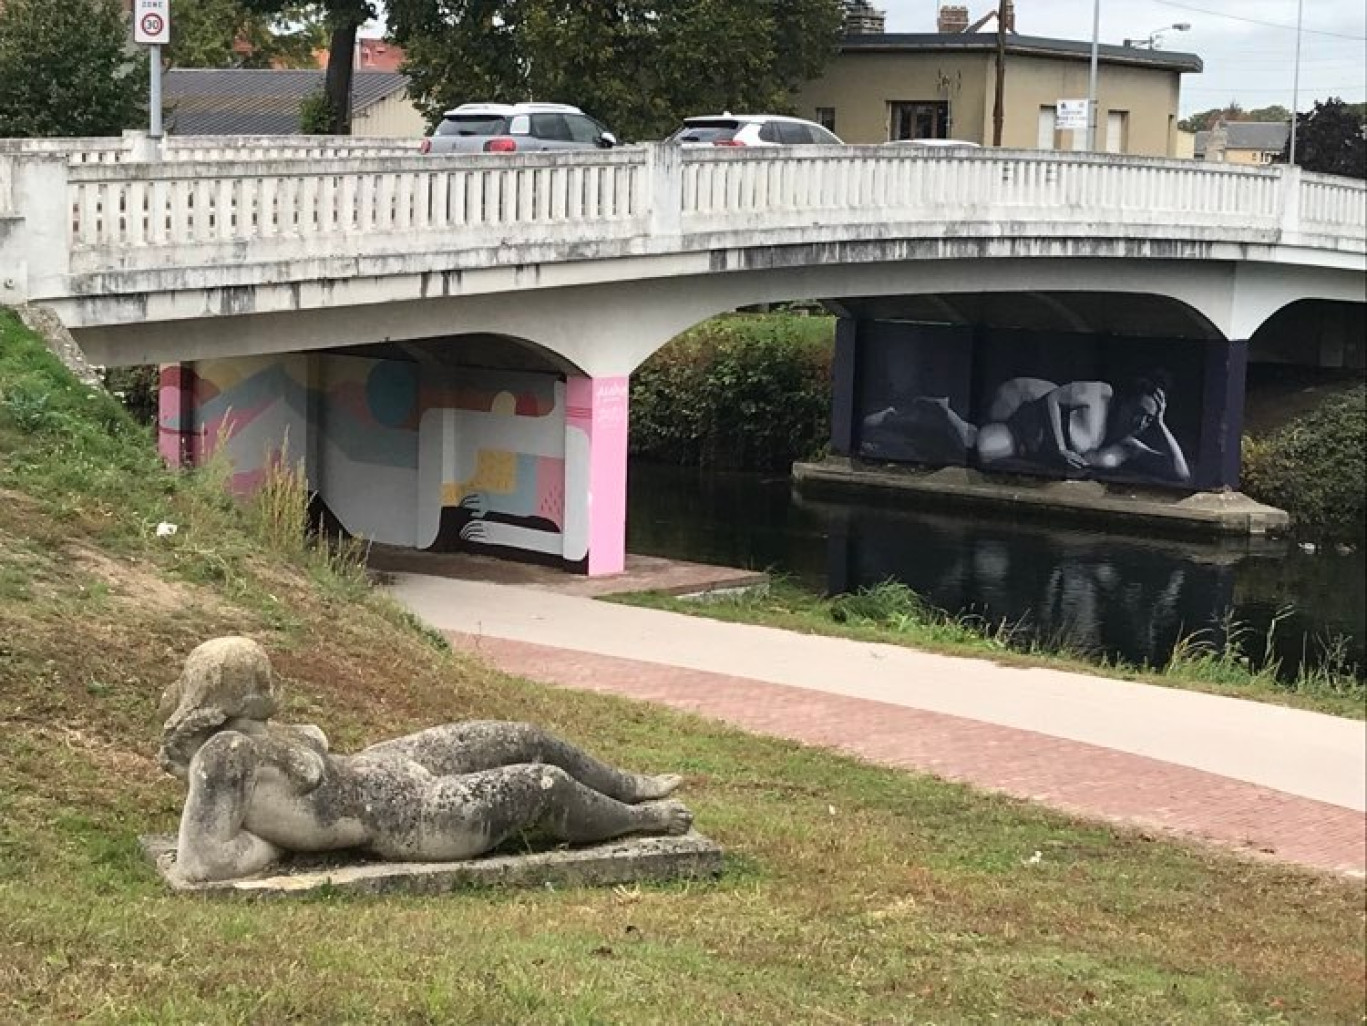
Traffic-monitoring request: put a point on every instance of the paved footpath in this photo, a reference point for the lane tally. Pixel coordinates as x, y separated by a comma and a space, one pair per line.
1278, 782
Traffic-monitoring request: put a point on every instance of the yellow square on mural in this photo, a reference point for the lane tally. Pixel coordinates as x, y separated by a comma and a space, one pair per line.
495, 472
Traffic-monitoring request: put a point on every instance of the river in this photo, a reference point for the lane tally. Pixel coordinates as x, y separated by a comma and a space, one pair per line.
1109, 594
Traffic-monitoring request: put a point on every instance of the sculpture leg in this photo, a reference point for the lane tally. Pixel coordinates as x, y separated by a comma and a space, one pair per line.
468, 815
487, 744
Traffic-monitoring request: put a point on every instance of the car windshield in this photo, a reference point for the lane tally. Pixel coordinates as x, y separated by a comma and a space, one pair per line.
472, 124
707, 131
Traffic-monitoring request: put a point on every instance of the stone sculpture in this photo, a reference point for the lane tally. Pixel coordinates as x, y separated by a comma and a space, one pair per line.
259, 790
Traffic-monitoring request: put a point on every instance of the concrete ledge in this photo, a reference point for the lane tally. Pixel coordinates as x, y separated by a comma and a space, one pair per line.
1228, 513
629, 860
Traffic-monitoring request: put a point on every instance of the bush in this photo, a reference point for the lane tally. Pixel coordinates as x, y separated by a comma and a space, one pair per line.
1314, 467
737, 393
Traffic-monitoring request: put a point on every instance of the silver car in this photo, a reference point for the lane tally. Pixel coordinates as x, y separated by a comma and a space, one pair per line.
516, 128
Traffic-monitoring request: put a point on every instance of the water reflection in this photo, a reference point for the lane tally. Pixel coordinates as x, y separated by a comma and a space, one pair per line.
1122, 596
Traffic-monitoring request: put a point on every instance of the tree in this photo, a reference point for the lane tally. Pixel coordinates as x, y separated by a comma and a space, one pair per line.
1331, 139
225, 34
640, 65
66, 69
342, 20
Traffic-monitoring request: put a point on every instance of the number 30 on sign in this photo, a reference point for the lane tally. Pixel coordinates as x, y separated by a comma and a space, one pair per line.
152, 22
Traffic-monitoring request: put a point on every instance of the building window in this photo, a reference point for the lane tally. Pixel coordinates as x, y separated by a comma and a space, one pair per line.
825, 117
918, 120
1117, 131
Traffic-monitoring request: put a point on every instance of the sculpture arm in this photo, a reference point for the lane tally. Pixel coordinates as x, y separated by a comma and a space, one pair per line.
213, 844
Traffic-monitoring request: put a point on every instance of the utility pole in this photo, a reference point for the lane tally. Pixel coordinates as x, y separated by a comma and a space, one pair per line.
1296, 83
999, 98
1091, 78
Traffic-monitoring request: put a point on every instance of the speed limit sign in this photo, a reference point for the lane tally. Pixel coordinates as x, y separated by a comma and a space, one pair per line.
152, 22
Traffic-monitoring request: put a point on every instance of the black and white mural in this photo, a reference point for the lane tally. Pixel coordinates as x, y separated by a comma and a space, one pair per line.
1153, 411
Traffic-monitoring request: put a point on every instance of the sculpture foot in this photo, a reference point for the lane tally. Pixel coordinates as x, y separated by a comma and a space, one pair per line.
672, 817
652, 788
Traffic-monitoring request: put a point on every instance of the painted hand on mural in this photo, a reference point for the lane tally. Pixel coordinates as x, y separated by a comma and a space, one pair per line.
476, 503
475, 530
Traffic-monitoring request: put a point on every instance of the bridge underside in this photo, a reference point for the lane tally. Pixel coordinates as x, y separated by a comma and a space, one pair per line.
499, 423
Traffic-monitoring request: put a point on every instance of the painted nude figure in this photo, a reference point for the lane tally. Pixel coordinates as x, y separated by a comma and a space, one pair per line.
1083, 426
258, 789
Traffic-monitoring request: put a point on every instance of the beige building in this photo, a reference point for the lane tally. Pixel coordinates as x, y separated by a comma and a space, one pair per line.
942, 86
1243, 142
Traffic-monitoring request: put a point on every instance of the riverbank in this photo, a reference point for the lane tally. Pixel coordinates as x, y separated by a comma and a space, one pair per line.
892, 613
851, 892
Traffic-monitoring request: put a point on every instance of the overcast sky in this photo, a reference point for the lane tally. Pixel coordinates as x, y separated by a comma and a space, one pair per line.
1245, 61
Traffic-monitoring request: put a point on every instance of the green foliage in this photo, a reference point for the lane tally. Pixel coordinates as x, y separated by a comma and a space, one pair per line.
137, 388
227, 34
1314, 467
1206, 119
65, 69
639, 65
315, 114
737, 393
1331, 139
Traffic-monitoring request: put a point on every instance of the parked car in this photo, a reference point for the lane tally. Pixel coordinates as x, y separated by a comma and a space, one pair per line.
516, 128
934, 143
752, 130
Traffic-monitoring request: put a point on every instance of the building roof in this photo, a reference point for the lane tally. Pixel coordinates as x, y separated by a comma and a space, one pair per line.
1038, 46
1263, 136
241, 101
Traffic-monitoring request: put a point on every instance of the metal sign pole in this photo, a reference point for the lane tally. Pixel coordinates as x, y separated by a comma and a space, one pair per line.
154, 98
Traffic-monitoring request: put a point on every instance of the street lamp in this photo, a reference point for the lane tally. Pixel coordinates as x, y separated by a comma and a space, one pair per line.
1155, 37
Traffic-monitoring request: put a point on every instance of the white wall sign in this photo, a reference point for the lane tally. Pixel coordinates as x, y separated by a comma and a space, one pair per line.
152, 22
1072, 114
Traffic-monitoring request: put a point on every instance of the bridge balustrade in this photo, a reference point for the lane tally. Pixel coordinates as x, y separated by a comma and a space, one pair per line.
213, 205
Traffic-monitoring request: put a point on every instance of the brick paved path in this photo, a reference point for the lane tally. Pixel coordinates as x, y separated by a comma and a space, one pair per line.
1080, 778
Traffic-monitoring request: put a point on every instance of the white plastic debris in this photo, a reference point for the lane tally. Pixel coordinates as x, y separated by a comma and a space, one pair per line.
166, 529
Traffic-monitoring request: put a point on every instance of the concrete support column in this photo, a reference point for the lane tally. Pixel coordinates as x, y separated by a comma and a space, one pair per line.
176, 431
596, 473
843, 435
1216, 465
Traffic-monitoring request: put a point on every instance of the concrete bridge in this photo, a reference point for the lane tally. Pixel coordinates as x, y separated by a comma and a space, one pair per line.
483, 315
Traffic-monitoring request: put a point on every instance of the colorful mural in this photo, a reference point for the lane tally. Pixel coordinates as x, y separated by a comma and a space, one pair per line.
514, 463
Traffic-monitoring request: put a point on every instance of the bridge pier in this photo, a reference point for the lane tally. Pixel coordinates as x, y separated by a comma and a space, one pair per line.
406, 452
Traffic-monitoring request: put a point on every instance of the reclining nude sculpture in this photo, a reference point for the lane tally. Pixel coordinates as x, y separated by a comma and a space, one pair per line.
259, 790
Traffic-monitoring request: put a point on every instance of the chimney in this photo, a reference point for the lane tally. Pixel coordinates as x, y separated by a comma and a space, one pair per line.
952, 19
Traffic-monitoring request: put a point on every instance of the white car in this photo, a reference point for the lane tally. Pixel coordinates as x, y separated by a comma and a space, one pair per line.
516, 128
729, 129
935, 143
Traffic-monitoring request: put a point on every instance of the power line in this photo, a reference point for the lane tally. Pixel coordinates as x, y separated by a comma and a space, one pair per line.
1257, 21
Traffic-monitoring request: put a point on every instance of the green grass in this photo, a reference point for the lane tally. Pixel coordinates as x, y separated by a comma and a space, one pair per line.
853, 894
892, 613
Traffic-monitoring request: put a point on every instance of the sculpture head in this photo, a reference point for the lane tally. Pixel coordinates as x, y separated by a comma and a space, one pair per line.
223, 679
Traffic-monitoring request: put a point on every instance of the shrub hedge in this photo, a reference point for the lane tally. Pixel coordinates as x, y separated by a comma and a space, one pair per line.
1314, 467
740, 392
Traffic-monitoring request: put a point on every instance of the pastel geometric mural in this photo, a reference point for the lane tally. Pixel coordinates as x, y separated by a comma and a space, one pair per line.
525, 464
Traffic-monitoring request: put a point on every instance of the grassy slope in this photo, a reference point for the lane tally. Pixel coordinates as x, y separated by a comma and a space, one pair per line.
854, 894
